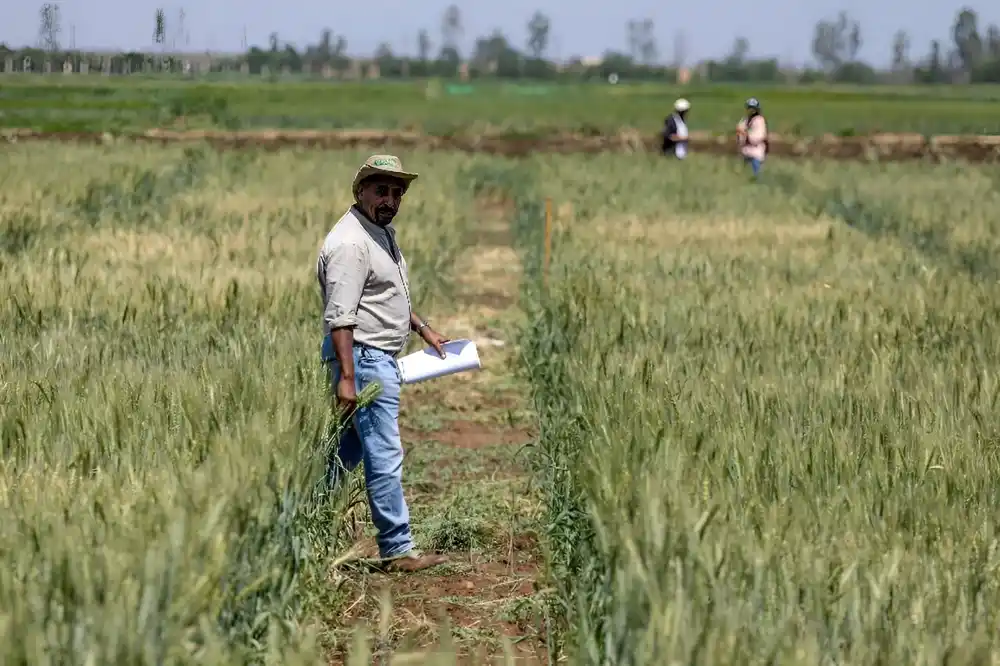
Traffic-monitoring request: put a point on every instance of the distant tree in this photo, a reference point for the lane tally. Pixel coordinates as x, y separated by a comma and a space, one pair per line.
424, 45
329, 50
641, 40
648, 51
494, 54
451, 28
968, 44
49, 27
740, 51
900, 50
824, 45
538, 34
290, 58
932, 70
854, 42
734, 67
856, 72
989, 70
613, 62
993, 42
448, 61
632, 37
935, 62
160, 28
325, 47
389, 63
836, 42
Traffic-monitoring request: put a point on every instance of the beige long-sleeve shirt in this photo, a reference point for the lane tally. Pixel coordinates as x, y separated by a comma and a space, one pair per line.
752, 145
365, 287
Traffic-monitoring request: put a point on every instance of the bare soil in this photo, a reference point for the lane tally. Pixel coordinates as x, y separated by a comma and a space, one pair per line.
472, 435
469, 492
875, 147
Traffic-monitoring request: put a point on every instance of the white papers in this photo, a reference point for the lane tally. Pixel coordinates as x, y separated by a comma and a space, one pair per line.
460, 355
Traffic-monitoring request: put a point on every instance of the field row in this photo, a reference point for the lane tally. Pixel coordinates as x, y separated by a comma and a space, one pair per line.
441, 108
873, 148
769, 418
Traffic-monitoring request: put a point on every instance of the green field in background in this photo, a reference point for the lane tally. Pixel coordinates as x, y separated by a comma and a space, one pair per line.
93, 103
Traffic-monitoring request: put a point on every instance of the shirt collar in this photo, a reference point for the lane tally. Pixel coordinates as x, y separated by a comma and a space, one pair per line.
371, 226
383, 235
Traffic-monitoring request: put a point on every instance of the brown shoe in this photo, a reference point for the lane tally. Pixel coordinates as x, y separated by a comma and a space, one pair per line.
412, 561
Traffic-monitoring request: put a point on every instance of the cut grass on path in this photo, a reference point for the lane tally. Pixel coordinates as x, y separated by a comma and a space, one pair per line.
466, 481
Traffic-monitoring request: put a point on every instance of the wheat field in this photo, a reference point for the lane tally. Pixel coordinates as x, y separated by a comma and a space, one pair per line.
769, 411
164, 413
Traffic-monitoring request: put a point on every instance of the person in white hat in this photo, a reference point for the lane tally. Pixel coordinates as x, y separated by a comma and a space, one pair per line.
675, 130
367, 320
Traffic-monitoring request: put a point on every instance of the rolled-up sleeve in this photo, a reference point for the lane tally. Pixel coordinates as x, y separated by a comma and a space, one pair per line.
346, 272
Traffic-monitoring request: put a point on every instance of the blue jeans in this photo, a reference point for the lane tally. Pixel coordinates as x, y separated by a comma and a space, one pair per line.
373, 437
754, 164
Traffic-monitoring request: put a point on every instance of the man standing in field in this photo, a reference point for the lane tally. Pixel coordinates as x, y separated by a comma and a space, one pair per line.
751, 134
675, 131
367, 320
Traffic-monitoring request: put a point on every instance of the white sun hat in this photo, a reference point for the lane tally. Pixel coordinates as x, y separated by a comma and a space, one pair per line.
682, 105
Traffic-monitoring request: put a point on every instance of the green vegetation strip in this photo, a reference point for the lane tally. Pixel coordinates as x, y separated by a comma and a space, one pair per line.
42, 104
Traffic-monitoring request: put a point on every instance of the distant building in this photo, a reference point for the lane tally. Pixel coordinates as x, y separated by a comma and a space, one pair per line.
119, 62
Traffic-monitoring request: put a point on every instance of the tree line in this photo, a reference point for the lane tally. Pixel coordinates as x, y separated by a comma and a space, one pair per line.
971, 55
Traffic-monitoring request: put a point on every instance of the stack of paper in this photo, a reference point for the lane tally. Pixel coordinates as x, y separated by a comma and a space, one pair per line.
460, 355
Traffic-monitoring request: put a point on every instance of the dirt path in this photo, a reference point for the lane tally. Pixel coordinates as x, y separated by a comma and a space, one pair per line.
468, 488
876, 147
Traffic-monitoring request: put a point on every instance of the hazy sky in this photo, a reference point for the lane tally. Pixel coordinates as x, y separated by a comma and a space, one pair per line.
580, 27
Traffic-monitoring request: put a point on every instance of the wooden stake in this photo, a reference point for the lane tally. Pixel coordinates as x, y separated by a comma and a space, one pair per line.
548, 238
